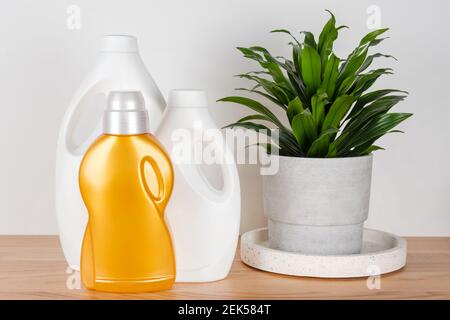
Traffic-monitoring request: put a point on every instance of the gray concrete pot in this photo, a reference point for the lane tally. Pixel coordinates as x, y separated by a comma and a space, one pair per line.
318, 205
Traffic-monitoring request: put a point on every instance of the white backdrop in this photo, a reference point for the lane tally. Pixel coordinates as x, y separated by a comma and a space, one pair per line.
192, 44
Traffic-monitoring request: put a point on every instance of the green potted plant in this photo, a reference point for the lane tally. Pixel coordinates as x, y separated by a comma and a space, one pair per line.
319, 199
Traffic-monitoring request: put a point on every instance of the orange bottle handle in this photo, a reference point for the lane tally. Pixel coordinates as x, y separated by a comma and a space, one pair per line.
164, 174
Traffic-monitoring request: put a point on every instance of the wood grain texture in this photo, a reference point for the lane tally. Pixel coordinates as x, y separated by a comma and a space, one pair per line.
33, 267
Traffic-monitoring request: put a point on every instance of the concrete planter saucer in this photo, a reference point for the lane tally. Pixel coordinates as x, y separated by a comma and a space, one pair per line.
381, 253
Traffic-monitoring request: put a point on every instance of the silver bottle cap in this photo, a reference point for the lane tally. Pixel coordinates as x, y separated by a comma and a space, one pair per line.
125, 113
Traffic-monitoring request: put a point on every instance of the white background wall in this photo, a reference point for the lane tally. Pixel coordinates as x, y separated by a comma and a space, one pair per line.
192, 44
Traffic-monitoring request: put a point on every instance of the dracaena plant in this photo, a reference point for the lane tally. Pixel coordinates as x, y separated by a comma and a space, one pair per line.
326, 100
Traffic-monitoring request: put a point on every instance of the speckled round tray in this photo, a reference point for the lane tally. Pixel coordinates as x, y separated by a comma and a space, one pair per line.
381, 253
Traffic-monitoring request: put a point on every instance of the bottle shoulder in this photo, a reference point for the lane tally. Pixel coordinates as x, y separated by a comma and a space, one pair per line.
125, 146
121, 160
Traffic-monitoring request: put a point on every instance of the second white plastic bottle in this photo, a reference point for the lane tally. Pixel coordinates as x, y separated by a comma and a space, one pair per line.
204, 221
118, 67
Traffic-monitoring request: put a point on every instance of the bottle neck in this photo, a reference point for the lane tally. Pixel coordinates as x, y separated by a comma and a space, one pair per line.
191, 117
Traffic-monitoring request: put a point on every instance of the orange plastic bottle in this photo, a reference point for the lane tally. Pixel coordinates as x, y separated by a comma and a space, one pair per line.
126, 179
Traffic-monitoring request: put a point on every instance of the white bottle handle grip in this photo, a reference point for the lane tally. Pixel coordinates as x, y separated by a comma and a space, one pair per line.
229, 174
72, 118
200, 183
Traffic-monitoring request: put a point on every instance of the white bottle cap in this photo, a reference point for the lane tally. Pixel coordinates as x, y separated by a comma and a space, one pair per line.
125, 113
187, 98
119, 43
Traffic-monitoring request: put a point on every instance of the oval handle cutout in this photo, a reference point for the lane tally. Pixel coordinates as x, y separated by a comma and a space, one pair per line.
152, 179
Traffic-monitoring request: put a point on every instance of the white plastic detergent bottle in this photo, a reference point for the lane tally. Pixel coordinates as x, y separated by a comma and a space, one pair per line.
203, 220
118, 67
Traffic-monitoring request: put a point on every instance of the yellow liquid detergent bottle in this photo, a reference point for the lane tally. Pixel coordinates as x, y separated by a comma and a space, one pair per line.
126, 179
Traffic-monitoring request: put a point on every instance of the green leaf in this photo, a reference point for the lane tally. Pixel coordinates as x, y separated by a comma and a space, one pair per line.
254, 105
353, 63
369, 97
370, 59
327, 48
371, 36
309, 39
294, 76
304, 129
330, 75
265, 95
365, 81
346, 85
287, 32
295, 107
298, 87
268, 62
248, 125
375, 42
335, 145
271, 64
282, 94
276, 73
318, 102
325, 33
382, 105
364, 149
288, 144
310, 67
296, 58
319, 148
327, 37
254, 117
374, 129
337, 111
370, 149
250, 54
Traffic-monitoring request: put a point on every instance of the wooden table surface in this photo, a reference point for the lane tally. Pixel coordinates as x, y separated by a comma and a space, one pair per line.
33, 267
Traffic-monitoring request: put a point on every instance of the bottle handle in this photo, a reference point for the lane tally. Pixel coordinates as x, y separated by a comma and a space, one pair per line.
164, 175
87, 91
200, 183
